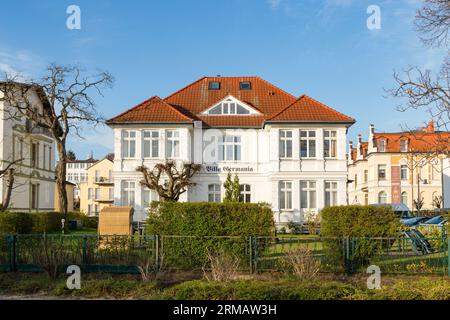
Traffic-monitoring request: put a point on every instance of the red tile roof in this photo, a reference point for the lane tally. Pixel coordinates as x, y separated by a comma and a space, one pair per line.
187, 104
309, 110
417, 141
152, 110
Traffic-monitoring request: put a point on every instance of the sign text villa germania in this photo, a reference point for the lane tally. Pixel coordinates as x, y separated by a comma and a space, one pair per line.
215, 169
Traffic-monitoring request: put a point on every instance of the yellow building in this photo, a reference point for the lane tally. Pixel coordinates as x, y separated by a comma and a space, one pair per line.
400, 167
98, 191
70, 194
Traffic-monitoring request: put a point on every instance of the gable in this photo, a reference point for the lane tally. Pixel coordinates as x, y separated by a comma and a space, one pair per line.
230, 106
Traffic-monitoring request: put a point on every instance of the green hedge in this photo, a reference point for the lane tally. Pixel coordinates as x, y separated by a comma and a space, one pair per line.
41, 222
201, 224
357, 224
15, 222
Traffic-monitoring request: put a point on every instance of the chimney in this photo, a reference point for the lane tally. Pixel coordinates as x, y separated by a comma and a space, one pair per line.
350, 144
372, 129
359, 138
430, 127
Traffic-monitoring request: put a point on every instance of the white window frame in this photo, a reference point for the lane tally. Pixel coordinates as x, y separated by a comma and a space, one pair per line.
128, 196
404, 169
330, 144
148, 144
311, 194
214, 192
403, 145
172, 144
381, 145
227, 143
379, 167
311, 139
382, 195
284, 141
285, 194
129, 140
245, 193
331, 187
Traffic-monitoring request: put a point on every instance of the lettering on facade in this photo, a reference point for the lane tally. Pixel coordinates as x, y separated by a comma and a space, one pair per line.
218, 169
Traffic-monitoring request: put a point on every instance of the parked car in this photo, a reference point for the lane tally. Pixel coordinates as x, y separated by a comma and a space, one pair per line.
435, 221
403, 212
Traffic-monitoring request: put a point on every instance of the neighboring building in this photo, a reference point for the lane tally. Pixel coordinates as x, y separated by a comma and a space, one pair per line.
98, 191
396, 167
76, 173
34, 182
70, 201
287, 151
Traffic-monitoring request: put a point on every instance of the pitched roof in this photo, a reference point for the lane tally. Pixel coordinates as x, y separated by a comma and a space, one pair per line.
187, 104
152, 110
417, 141
309, 110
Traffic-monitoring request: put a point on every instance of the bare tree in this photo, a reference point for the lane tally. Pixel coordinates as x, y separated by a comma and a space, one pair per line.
169, 181
68, 105
419, 87
8, 172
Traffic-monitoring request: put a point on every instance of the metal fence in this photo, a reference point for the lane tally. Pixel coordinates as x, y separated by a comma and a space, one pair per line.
124, 254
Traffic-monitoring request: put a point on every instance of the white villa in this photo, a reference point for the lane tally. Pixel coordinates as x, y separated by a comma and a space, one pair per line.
287, 151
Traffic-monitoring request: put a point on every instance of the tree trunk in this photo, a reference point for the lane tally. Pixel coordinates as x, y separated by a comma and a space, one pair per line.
61, 178
9, 187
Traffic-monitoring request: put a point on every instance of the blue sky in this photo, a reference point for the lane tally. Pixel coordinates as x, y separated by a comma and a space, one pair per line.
318, 47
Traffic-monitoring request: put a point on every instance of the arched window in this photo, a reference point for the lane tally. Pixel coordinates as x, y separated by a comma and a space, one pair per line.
382, 197
405, 198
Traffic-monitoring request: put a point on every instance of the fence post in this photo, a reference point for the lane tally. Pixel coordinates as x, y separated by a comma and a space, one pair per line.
157, 252
250, 241
84, 255
448, 257
347, 256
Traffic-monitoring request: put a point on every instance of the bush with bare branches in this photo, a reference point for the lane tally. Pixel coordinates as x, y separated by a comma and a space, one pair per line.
302, 263
223, 266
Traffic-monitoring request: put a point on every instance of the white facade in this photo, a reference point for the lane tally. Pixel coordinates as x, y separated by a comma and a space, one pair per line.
34, 184
76, 172
446, 182
304, 183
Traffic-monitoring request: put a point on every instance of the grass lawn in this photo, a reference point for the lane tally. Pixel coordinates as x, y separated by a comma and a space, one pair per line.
258, 287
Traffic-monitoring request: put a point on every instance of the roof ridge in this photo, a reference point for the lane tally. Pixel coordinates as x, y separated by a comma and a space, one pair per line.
131, 109
329, 107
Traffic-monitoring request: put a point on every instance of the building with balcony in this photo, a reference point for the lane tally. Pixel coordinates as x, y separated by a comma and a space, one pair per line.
287, 151
32, 149
76, 173
98, 189
398, 167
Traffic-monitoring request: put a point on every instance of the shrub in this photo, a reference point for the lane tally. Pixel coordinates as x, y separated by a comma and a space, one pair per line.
46, 222
302, 263
224, 267
359, 224
15, 222
204, 226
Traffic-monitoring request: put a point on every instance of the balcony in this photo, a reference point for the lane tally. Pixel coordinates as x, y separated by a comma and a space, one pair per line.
36, 130
104, 199
103, 181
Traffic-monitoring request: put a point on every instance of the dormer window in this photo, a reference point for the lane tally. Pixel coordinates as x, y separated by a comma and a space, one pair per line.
245, 85
214, 85
381, 145
230, 106
404, 145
